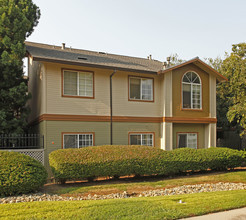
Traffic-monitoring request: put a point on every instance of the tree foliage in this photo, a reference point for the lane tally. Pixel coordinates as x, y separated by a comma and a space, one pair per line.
17, 21
222, 94
234, 68
175, 59
231, 95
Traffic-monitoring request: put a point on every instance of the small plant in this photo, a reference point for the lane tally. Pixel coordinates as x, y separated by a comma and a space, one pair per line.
20, 174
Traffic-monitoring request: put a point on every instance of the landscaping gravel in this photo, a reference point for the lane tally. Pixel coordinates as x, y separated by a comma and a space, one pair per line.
186, 189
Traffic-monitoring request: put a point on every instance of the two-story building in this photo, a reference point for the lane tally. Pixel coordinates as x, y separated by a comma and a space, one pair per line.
82, 98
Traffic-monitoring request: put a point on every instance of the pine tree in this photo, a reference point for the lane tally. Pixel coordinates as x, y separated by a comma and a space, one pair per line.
17, 21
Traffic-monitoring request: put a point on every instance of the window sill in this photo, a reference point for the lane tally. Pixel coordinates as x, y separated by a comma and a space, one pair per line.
81, 97
191, 109
139, 100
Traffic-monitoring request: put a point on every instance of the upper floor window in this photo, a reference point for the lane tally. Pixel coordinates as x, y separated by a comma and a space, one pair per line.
191, 89
77, 140
141, 88
77, 83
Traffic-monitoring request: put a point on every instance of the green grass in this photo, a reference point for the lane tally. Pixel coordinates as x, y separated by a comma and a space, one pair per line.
153, 183
163, 207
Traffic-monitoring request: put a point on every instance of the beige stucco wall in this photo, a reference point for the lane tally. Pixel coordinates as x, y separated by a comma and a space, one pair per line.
167, 107
122, 129
54, 131
200, 128
45, 84
56, 104
177, 95
37, 88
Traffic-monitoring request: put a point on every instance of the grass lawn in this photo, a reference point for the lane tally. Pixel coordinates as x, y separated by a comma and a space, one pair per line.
163, 207
136, 186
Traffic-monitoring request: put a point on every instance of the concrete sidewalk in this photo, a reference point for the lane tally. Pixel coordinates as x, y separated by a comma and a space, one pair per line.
236, 214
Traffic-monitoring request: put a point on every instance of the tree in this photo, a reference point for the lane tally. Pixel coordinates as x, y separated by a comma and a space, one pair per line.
231, 95
222, 95
234, 68
17, 21
175, 59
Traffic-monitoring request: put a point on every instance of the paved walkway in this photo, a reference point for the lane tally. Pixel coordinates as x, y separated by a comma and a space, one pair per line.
236, 214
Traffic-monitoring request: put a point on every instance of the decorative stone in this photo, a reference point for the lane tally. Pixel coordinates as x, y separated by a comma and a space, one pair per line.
186, 189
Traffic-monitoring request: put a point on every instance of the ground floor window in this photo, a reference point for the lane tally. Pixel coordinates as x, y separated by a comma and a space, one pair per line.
141, 139
187, 140
78, 140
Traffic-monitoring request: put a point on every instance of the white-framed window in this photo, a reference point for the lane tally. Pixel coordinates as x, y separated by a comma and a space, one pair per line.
187, 140
141, 88
77, 83
191, 91
141, 139
77, 140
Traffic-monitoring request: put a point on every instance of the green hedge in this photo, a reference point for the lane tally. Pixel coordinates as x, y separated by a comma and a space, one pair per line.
20, 174
113, 160
101, 161
204, 159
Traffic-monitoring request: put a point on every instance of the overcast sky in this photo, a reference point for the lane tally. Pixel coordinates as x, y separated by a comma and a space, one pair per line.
190, 28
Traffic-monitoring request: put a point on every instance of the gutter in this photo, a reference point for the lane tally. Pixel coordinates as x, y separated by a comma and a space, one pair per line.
111, 109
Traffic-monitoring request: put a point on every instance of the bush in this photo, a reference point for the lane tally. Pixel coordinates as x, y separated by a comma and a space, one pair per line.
203, 159
20, 174
101, 161
113, 160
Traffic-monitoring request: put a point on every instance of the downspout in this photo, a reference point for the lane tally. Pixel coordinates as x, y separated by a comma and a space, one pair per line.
111, 109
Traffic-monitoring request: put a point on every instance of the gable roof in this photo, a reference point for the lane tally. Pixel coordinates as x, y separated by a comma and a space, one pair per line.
202, 65
51, 53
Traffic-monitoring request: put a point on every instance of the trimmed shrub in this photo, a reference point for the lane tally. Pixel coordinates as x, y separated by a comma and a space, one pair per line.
203, 159
20, 174
101, 161
90, 162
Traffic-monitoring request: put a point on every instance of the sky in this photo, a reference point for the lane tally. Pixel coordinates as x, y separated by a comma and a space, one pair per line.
190, 28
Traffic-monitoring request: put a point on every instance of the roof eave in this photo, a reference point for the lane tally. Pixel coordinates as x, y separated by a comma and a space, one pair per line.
43, 59
219, 77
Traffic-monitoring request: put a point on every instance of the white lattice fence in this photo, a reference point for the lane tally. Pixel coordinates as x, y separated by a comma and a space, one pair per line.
37, 154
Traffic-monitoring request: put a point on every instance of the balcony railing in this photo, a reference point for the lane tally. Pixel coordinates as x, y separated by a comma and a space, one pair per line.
21, 141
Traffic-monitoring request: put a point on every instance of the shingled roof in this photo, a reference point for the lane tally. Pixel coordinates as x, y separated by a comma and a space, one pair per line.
51, 53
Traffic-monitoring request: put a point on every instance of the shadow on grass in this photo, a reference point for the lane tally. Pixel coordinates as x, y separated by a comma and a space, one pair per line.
116, 183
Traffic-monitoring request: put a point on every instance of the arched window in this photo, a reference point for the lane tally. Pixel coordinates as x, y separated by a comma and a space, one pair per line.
191, 89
